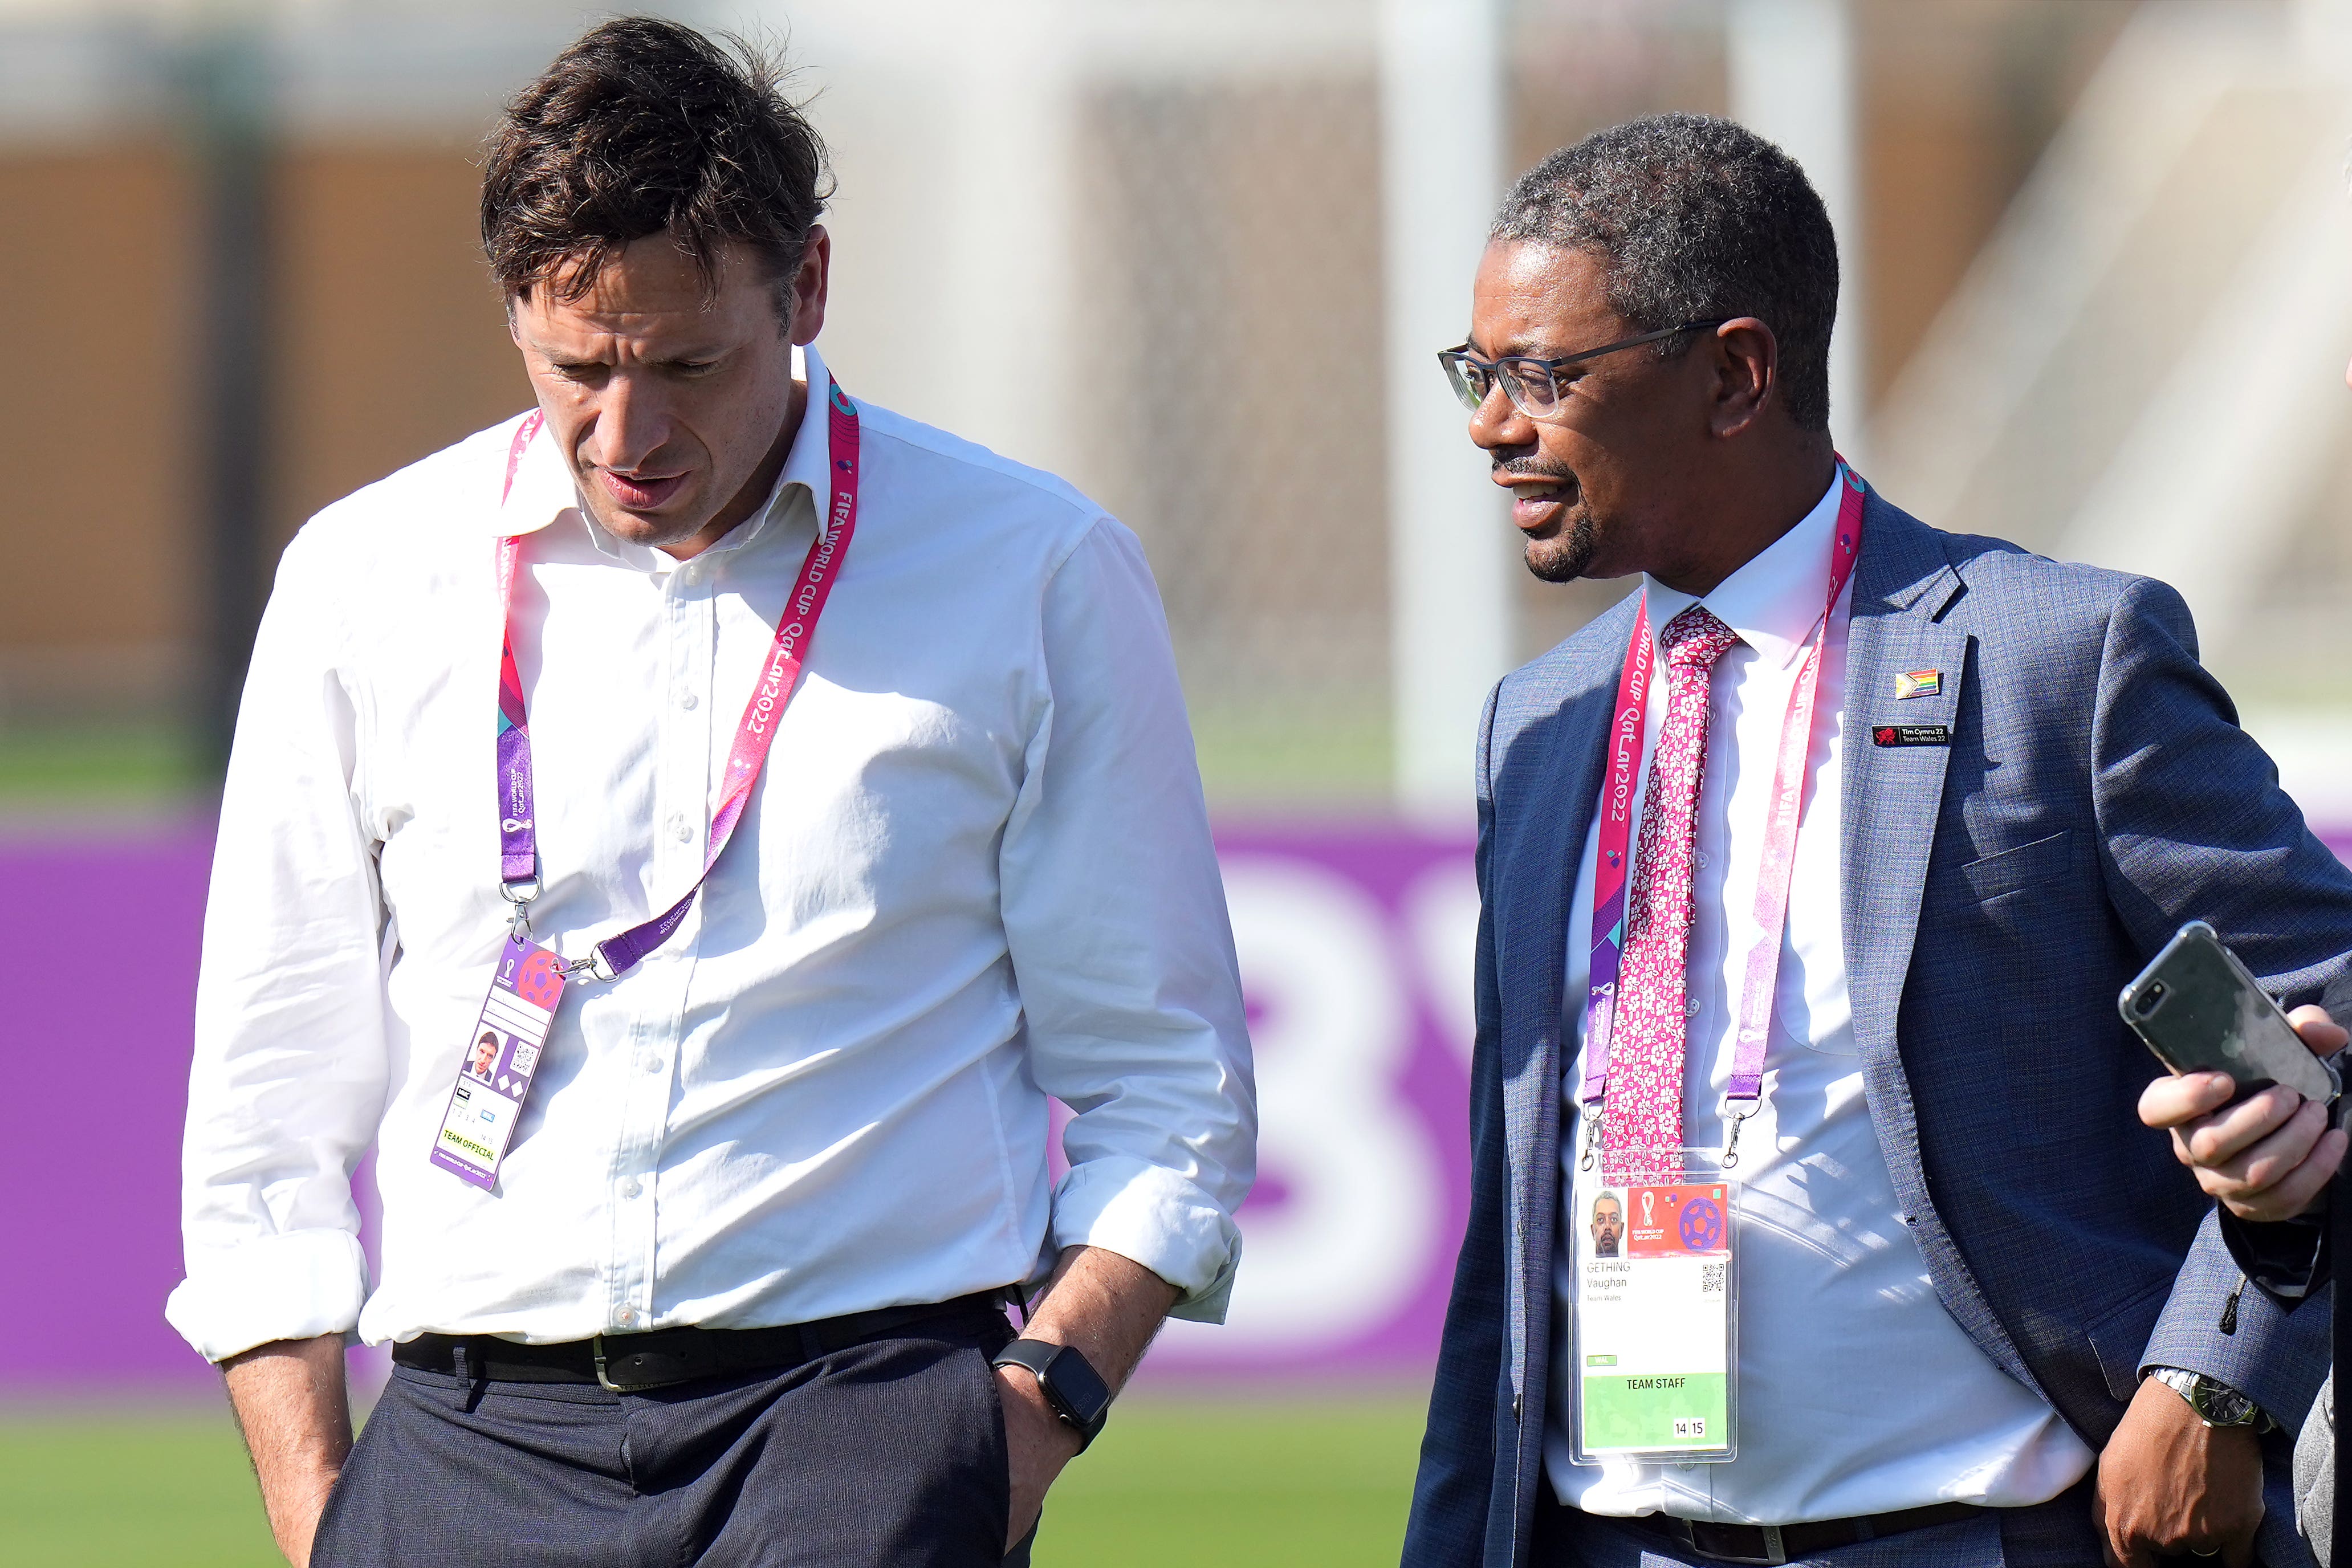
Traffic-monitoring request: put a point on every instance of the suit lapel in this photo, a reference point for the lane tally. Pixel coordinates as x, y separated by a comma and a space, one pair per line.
1892, 800
1531, 932
1892, 795
1547, 778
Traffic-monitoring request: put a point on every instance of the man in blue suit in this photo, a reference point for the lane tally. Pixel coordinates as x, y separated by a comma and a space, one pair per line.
1980, 1311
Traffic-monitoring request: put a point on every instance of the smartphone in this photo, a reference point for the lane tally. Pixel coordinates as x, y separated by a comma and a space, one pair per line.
2200, 1011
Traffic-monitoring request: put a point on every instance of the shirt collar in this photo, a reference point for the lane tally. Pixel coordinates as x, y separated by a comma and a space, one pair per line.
543, 492
1775, 600
810, 462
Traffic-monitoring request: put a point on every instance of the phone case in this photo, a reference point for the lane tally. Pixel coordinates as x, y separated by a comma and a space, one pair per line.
2200, 1011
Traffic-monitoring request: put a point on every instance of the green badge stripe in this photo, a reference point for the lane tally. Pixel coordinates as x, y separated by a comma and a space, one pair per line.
1641, 1412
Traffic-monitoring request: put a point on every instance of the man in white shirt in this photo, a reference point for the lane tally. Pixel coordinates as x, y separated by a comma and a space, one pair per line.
1877, 821
712, 1270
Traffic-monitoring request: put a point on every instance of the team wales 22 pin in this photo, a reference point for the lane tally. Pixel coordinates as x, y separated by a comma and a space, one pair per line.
502, 1054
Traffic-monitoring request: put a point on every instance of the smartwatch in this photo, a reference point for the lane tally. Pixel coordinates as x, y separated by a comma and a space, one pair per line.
1076, 1391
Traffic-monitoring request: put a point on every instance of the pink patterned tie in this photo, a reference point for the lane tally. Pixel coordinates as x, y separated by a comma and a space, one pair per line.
1642, 1124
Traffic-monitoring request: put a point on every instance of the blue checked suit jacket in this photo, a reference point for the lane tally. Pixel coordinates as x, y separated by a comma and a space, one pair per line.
1998, 893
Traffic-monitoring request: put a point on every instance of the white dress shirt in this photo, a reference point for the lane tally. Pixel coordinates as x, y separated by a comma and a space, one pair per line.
976, 872
1857, 1392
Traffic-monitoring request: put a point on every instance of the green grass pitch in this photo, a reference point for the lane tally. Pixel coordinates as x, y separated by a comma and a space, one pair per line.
1237, 1483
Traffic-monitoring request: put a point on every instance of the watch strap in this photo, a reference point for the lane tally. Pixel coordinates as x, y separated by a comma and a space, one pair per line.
1079, 1396
2214, 1402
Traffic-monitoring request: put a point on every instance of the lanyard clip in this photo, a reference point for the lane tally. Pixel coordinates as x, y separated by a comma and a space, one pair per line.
1592, 1111
1736, 1119
596, 965
520, 895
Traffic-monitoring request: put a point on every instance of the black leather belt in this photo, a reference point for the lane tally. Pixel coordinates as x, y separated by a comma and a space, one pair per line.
633, 1363
1769, 1543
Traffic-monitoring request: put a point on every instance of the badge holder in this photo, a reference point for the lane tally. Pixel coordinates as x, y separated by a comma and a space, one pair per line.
1657, 1332
502, 1054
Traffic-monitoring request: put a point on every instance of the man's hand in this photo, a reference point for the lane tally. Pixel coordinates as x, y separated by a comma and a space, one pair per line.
2167, 1484
2266, 1158
293, 1404
1037, 1446
1109, 1308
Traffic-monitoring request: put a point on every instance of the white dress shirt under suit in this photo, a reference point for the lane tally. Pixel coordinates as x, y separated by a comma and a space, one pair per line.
1858, 1393
976, 873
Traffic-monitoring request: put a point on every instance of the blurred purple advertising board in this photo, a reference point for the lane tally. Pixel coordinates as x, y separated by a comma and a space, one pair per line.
1355, 948
98, 972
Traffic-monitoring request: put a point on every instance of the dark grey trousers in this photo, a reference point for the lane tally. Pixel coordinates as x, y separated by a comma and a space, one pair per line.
2054, 1535
890, 1452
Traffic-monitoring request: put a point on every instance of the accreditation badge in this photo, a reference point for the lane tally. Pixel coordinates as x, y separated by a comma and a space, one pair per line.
501, 1052
1656, 1330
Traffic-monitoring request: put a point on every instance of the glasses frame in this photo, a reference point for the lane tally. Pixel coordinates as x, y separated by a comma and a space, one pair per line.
1510, 372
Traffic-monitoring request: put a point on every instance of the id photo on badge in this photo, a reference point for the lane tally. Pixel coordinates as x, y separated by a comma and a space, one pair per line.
1656, 1329
482, 1062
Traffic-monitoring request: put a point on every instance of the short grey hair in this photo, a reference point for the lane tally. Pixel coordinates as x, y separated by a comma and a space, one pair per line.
1694, 219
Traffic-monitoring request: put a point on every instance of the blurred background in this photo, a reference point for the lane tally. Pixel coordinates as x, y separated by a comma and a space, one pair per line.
1197, 256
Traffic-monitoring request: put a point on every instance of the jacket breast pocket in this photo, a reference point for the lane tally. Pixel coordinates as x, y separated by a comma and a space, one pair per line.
2042, 860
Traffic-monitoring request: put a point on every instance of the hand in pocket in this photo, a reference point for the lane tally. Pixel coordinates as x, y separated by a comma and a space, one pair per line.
1037, 1446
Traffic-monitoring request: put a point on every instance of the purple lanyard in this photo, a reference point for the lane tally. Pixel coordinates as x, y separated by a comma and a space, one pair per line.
518, 878
1611, 867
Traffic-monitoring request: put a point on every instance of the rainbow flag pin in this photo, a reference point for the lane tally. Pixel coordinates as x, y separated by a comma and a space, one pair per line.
1919, 683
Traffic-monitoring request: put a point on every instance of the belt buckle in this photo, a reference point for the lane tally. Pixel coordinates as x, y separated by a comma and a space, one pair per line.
1775, 1552
690, 1367
604, 1379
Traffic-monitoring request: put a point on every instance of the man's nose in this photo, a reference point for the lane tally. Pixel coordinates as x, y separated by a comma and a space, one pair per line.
1497, 422
632, 421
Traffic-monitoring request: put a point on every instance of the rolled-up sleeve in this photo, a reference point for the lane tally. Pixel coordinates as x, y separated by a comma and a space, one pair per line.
290, 1071
1115, 917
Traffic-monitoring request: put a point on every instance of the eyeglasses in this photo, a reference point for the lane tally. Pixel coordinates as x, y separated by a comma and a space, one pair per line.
1532, 384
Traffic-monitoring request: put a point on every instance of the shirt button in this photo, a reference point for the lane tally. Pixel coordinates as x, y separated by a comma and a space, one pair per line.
650, 1063
680, 829
688, 701
631, 1188
1690, 1006
1701, 858
626, 1317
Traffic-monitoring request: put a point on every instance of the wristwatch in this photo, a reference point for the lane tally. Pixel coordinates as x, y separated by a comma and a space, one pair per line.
2215, 1402
1079, 1396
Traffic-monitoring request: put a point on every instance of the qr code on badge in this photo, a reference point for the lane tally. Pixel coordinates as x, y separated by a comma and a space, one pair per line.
1690, 1425
1711, 1279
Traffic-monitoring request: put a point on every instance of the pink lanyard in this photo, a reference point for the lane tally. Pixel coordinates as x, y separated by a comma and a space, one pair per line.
518, 841
1611, 866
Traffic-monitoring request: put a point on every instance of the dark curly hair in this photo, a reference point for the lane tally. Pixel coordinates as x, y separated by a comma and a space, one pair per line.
1696, 218
642, 127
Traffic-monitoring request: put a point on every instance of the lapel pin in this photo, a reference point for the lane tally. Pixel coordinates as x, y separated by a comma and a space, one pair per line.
1919, 683
1911, 734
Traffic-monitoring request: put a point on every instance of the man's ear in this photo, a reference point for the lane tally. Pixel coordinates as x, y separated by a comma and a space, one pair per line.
810, 286
1747, 360
514, 328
